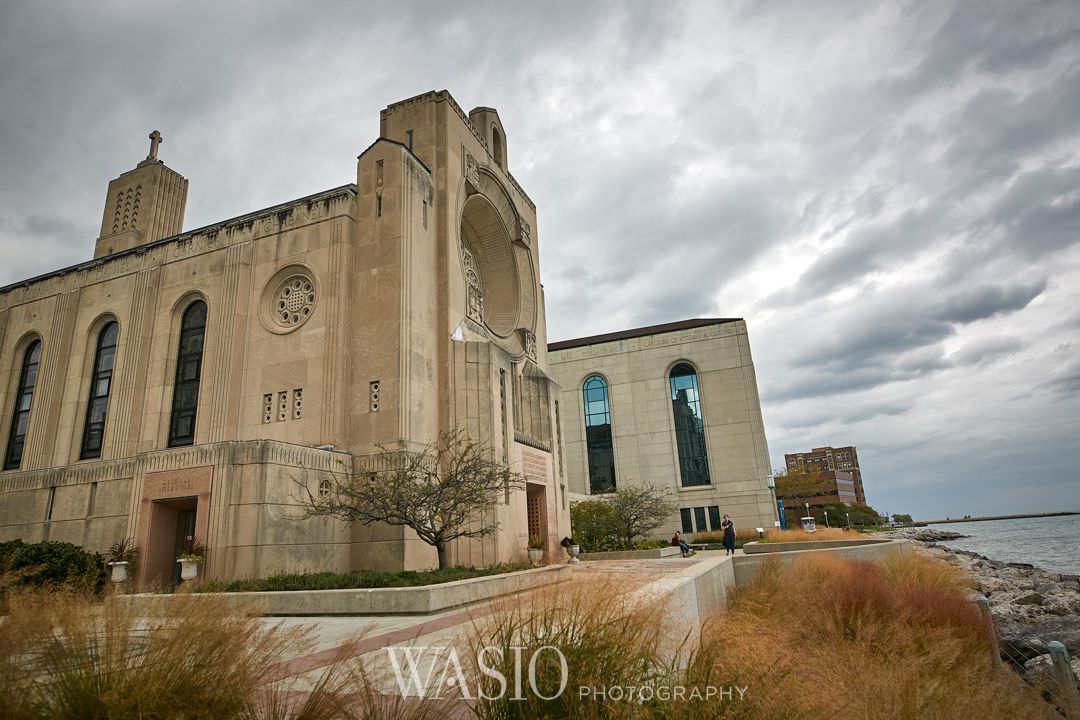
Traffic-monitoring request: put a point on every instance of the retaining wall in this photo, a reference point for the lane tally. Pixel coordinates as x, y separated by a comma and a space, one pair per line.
365, 601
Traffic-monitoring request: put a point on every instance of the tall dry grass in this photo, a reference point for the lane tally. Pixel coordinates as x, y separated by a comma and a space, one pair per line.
609, 632
68, 656
820, 638
827, 637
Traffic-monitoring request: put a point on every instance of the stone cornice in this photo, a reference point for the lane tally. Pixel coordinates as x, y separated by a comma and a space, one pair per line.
269, 221
232, 452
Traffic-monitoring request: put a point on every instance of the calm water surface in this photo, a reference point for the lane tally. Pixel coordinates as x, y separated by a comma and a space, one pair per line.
1051, 543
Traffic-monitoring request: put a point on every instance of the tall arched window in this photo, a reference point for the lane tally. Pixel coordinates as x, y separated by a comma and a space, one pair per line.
689, 426
23, 396
598, 435
97, 405
188, 372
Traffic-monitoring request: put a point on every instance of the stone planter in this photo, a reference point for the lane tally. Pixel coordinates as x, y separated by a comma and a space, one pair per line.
120, 570
573, 551
536, 555
189, 569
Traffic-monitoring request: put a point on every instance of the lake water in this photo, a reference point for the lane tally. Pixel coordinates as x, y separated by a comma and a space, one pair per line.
1050, 543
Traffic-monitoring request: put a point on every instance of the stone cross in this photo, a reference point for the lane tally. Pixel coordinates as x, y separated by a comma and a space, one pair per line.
155, 140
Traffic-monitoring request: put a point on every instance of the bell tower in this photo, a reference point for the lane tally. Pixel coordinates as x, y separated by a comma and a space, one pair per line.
142, 205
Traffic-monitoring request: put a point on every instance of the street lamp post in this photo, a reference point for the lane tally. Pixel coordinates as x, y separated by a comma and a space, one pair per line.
827, 519
848, 520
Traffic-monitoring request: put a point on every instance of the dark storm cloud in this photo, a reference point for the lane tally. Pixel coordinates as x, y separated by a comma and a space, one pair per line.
988, 37
38, 243
817, 417
895, 338
988, 300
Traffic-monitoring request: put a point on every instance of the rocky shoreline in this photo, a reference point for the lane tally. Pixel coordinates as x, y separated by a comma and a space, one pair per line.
1030, 606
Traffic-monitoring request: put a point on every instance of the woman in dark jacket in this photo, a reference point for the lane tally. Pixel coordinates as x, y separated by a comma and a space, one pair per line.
729, 535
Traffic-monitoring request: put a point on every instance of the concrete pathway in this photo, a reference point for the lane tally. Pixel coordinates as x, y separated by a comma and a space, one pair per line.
368, 638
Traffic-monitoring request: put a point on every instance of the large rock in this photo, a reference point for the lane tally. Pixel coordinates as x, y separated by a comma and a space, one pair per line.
1065, 629
1019, 649
924, 535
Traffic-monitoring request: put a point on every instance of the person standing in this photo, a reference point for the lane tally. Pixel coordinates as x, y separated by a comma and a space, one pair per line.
729, 535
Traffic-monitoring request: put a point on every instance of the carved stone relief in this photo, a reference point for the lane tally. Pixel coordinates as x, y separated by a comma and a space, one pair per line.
529, 341
474, 289
472, 172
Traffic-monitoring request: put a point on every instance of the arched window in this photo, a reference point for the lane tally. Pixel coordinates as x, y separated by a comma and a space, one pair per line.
188, 372
598, 435
496, 145
97, 405
689, 427
23, 396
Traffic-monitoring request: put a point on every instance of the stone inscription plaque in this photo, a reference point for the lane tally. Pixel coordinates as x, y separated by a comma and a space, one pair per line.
534, 464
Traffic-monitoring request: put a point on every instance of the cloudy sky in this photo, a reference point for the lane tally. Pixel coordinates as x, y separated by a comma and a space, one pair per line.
889, 193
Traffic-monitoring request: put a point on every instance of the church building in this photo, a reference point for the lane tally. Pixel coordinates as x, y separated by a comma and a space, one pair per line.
194, 383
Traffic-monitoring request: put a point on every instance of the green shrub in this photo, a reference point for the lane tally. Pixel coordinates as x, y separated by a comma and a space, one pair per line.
593, 522
619, 519
50, 565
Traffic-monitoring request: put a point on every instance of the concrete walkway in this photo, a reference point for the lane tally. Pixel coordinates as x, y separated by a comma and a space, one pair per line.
368, 637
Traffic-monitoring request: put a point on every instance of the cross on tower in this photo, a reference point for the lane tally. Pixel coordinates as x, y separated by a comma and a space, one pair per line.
155, 140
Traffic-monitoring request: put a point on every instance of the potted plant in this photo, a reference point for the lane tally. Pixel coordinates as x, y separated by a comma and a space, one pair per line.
572, 549
122, 555
191, 554
536, 549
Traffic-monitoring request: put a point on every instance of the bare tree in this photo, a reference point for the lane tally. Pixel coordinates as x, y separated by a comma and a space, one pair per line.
640, 509
447, 491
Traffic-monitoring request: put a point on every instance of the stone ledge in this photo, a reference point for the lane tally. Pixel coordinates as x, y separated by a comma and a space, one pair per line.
422, 600
754, 548
631, 554
746, 566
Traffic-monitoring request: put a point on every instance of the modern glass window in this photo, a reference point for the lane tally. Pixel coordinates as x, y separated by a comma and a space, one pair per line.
97, 405
689, 426
699, 519
687, 520
20, 419
598, 435
188, 372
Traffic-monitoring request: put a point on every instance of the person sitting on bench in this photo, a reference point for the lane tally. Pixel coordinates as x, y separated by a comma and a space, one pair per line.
677, 541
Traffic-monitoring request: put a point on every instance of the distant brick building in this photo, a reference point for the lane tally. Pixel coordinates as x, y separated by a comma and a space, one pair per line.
844, 459
837, 487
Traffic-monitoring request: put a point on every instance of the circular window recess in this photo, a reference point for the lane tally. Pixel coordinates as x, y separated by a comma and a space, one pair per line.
289, 299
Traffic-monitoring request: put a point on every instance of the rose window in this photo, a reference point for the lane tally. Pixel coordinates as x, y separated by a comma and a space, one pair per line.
294, 300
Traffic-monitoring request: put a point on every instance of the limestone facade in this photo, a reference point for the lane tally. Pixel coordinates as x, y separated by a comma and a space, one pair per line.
675, 406
260, 354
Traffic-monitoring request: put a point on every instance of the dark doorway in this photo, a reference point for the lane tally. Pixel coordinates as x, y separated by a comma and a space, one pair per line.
536, 508
171, 522
185, 531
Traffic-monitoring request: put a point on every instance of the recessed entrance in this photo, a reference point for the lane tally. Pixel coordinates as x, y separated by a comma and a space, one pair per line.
536, 507
173, 505
172, 523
